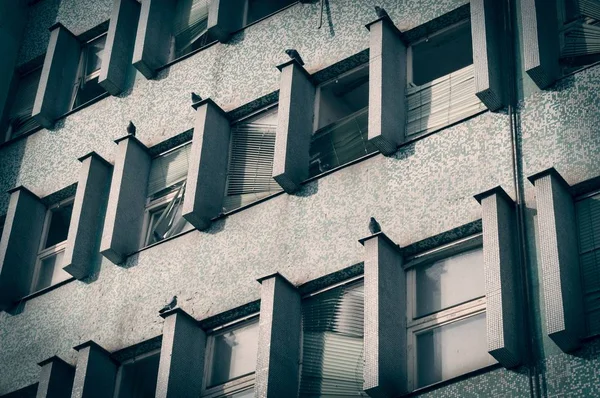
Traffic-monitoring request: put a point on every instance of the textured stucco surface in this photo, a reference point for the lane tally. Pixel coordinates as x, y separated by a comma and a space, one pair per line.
425, 189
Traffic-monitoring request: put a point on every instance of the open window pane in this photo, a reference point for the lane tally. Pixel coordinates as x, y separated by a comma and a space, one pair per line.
190, 26
87, 87
58, 230
233, 354
94, 51
137, 377
50, 271
451, 350
332, 348
166, 221
450, 281
250, 171
168, 170
258, 9
19, 116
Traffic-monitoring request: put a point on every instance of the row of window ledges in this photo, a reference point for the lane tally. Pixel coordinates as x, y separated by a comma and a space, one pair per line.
91, 73
190, 32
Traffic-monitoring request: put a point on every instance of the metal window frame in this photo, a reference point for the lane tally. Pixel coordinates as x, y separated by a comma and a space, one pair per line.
233, 386
82, 79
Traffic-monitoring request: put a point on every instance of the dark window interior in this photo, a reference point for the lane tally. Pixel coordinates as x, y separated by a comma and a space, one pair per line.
137, 379
60, 220
19, 107
442, 53
258, 9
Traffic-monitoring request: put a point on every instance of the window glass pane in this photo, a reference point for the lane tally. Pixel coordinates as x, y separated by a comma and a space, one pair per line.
191, 22
94, 51
234, 354
244, 394
167, 170
88, 91
19, 117
258, 9
451, 350
442, 54
138, 377
60, 220
51, 272
167, 221
449, 281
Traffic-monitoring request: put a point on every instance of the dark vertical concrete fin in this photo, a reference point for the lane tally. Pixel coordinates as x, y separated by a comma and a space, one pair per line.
126, 201
19, 245
387, 83
153, 39
560, 275
90, 199
501, 268
539, 22
278, 357
207, 172
294, 126
489, 47
59, 73
385, 315
181, 365
120, 41
56, 378
224, 18
95, 373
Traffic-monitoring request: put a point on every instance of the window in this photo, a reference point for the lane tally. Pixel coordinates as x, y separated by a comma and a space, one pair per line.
231, 360
579, 32
446, 316
588, 229
48, 270
190, 27
341, 121
136, 377
332, 342
18, 120
166, 189
86, 86
441, 80
250, 170
258, 9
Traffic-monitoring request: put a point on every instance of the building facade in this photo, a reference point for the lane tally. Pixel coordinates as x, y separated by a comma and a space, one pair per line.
158, 148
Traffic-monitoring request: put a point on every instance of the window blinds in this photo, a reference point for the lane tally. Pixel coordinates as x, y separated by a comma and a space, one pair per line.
580, 39
250, 172
588, 223
168, 169
332, 356
191, 22
340, 143
19, 119
588, 8
441, 102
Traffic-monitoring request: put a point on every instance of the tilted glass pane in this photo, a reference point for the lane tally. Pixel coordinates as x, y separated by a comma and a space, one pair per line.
167, 170
58, 230
88, 91
451, 350
19, 118
138, 377
50, 271
167, 221
332, 354
94, 51
191, 22
234, 354
450, 281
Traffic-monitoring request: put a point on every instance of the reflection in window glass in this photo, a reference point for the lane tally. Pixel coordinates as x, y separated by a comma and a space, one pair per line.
60, 219
87, 87
21, 105
451, 350
191, 22
50, 271
233, 354
450, 281
137, 377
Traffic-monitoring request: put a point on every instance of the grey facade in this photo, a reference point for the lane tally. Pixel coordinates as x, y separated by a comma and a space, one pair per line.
422, 194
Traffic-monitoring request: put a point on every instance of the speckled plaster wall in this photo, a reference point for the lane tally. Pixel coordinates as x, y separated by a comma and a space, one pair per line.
423, 190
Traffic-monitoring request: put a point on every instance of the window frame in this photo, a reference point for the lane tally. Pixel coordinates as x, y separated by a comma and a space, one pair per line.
416, 325
46, 252
82, 78
119, 376
13, 89
237, 384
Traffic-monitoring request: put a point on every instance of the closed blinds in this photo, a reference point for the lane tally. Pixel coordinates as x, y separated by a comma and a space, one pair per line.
19, 119
588, 222
250, 172
332, 356
191, 22
442, 102
581, 37
340, 143
168, 169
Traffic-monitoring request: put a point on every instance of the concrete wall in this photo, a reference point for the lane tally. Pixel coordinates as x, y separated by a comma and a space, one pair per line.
424, 189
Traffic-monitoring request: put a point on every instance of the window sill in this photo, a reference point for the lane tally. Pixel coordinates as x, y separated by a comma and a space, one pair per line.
45, 290
85, 105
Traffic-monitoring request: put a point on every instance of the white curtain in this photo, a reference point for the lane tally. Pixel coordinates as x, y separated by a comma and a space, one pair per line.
441, 102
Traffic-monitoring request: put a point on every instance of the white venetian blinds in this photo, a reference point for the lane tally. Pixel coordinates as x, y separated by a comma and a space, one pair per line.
191, 21
168, 169
442, 102
249, 176
582, 36
332, 354
588, 225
